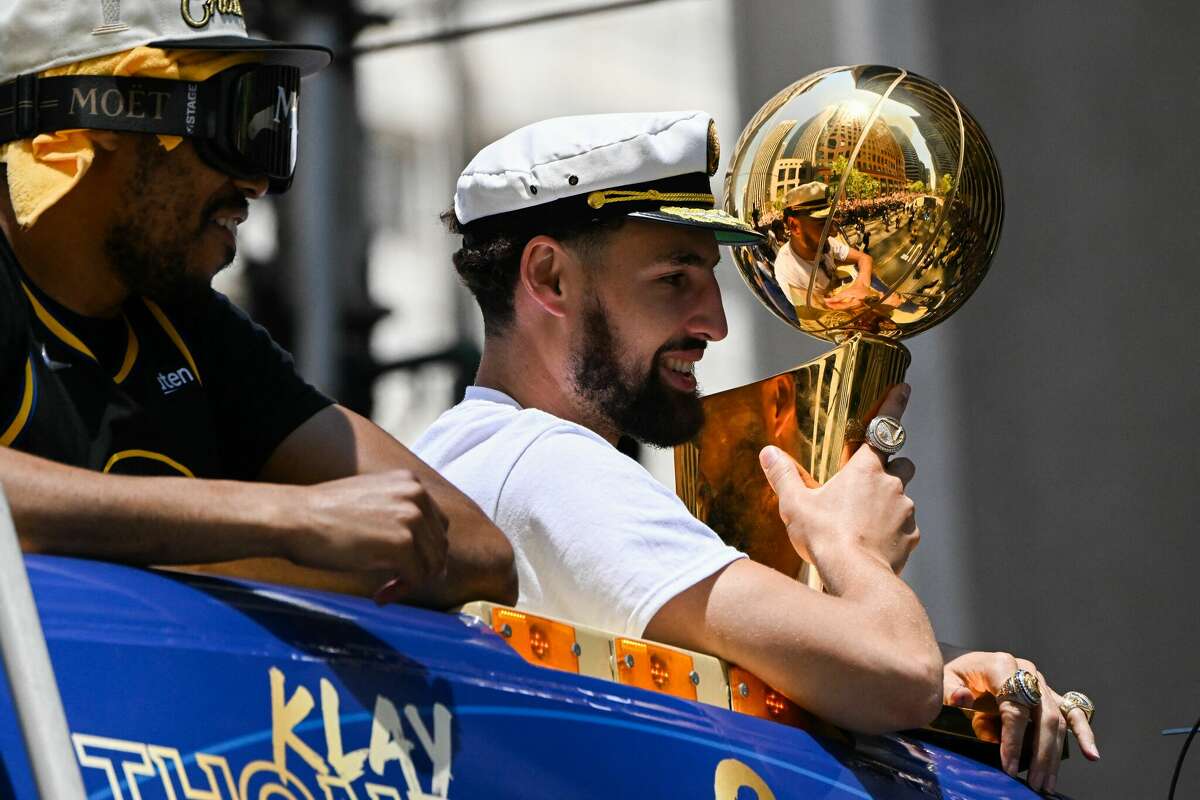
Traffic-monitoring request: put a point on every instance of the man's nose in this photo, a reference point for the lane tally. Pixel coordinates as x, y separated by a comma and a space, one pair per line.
708, 322
252, 188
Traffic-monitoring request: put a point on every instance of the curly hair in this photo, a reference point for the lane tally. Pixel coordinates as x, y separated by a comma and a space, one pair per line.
490, 257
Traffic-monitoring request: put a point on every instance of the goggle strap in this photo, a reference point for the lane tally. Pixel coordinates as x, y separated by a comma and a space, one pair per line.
30, 105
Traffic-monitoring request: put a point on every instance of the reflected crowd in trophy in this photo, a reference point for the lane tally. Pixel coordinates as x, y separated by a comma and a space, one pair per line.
872, 211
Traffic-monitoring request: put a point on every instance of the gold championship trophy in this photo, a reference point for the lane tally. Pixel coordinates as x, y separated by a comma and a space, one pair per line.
881, 204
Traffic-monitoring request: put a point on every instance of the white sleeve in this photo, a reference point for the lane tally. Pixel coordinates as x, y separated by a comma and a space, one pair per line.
602, 542
839, 248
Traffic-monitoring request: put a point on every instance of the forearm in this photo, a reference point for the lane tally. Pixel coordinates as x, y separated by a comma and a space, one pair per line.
865, 268
878, 666
471, 574
479, 563
480, 558
866, 660
893, 625
70, 511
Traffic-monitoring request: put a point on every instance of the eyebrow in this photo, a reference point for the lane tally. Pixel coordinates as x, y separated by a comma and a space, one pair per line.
687, 258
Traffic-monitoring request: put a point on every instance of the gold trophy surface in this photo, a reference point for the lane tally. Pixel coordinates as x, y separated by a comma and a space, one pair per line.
847, 161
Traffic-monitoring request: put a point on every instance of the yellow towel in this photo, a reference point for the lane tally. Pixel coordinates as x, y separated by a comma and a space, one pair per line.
43, 169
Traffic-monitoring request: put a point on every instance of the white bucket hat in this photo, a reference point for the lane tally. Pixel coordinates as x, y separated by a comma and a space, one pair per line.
36, 34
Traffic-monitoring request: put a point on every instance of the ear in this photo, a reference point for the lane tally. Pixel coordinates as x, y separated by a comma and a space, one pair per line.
543, 264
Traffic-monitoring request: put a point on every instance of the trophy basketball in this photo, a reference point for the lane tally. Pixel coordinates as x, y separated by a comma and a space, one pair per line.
881, 205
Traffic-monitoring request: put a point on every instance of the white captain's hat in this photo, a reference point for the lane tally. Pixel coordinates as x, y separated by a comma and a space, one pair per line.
653, 166
808, 199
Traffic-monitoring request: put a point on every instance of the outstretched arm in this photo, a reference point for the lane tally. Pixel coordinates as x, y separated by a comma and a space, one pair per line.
864, 266
366, 512
375, 524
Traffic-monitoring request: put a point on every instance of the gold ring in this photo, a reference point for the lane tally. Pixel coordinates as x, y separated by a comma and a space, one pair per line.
1073, 700
1021, 688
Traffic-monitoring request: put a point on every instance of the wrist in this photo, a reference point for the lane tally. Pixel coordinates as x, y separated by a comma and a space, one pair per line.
281, 528
842, 564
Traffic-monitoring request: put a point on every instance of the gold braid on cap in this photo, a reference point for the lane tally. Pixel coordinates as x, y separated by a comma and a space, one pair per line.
714, 148
601, 199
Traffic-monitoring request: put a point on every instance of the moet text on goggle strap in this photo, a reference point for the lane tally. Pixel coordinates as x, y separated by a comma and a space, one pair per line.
116, 103
120, 103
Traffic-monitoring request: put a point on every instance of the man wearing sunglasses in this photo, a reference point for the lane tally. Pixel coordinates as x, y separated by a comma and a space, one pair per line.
143, 417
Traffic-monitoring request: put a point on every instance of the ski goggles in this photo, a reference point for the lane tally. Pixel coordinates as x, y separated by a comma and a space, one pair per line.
243, 121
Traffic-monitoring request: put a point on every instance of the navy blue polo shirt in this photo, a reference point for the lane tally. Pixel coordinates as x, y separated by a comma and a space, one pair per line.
200, 391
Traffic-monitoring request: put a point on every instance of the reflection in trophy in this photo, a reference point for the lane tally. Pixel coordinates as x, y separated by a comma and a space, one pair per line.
881, 205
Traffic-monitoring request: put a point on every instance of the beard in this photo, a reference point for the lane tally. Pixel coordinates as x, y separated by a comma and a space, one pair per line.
156, 271
149, 245
635, 401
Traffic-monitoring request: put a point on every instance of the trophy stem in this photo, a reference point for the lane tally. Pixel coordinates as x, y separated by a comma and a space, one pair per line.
817, 412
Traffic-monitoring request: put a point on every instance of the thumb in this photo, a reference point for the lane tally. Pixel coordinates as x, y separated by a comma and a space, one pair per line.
782, 471
955, 692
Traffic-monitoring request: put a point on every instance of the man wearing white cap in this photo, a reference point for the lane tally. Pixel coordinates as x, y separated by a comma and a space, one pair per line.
590, 244
143, 417
797, 263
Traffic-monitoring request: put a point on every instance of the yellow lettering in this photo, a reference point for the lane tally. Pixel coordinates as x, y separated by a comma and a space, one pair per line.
134, 760
732, 776
211, 766
168, 761
336, 788
112, 94
349, 766
88, 100
210, 7
185, 8
389, 744
377, 792
282, 784
285, 716
436, 747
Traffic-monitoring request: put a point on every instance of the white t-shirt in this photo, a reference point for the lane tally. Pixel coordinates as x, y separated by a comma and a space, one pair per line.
792, 272
597, 539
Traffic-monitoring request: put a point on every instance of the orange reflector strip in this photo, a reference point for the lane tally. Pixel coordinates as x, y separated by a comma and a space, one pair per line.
541, 641
749, 695
659, 669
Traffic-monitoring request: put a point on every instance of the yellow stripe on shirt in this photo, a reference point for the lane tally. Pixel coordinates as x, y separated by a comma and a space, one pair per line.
150, 454
56, 327
174, 334
18, 424
131, 354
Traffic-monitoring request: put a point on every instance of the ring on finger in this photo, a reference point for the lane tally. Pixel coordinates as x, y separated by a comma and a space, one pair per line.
886, 434
1021, 688
1073, 700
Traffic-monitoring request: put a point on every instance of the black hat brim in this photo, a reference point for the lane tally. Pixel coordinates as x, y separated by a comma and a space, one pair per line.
727, 229
308, 58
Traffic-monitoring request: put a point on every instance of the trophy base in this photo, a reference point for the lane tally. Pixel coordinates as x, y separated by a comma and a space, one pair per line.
817, 412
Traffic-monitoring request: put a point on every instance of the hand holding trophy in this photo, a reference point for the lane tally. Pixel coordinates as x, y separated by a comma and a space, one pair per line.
882, 206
